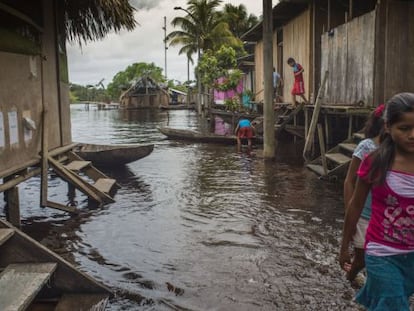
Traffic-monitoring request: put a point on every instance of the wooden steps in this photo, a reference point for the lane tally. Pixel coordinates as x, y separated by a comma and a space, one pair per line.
83, 176
337, 158
5, 234
34, 278
77, 165
81, 302
20, 283
105, 185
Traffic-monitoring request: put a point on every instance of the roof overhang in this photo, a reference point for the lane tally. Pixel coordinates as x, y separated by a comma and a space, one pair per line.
282, 13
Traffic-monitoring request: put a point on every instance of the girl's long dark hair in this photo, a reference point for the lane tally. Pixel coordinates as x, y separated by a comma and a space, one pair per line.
374, 124
383, 158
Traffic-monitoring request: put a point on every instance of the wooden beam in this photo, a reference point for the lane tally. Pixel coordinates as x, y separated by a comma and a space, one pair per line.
20, 15
315, 117
13, 207
322, 149
17, 180
61, 207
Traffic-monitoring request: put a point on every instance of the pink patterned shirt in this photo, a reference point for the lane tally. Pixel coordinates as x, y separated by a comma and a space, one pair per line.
392, 218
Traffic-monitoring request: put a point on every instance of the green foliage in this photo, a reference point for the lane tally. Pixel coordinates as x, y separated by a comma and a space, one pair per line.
232, 104
87, 93
201, 29
72, 97
124, 79
214, 65
238, 19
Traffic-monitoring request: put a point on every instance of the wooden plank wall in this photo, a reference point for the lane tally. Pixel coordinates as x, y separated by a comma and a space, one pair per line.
348, 55
21, 82
399, 47
258, 60
296, 44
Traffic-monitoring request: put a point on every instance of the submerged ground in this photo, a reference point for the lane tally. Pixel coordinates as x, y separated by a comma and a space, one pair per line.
199, 227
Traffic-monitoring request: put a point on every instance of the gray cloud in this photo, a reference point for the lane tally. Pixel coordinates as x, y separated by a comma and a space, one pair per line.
104, 59
145, 4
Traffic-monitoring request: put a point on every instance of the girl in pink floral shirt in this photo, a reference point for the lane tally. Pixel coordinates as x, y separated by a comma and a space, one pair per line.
389, 245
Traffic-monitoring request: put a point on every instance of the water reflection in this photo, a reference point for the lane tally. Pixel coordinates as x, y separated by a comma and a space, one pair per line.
229, 230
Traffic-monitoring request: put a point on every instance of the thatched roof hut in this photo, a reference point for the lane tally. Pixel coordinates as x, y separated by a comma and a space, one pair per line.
34, 76
145, 93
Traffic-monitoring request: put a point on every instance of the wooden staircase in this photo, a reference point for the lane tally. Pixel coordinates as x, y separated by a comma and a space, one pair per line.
34, 278
284, 114
337, 159
83, 176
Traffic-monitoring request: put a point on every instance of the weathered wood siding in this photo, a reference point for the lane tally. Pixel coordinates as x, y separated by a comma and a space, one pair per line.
297, 44
21, 96
348, 55
258, 60
399, 47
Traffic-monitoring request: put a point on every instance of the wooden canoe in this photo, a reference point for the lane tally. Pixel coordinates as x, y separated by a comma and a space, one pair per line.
35, 278
194, 136
113, 155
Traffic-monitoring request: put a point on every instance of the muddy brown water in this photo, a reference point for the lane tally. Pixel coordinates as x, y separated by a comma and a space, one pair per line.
199, 226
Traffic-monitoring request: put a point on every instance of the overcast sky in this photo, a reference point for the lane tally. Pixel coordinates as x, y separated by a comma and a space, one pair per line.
103, 59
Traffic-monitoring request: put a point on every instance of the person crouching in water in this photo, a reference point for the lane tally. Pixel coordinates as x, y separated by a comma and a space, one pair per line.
245, 130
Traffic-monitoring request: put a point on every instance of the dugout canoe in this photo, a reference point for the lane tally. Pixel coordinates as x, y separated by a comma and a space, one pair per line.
194, 136
35, 278
113, 155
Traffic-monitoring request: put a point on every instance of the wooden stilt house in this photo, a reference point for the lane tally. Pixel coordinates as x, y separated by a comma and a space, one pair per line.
35, 126
145, 93
364, 46
35, 135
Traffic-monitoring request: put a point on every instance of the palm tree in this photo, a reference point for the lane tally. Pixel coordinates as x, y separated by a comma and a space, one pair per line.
237, 18
201, 28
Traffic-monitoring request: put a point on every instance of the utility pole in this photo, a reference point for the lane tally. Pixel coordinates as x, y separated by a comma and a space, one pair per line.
165, 46
268, 112
200, 98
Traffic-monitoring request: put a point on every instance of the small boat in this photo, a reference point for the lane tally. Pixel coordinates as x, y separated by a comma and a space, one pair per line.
190, 135
35, 278
178, 107
113, 155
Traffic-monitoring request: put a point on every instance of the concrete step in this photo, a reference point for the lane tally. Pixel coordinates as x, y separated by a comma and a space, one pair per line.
20, 283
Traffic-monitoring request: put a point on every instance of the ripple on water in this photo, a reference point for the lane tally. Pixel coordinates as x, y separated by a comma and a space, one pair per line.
232, 231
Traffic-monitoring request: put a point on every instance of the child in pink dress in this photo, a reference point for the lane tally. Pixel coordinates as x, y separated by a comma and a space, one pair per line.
372, 130
389, 244
298, 84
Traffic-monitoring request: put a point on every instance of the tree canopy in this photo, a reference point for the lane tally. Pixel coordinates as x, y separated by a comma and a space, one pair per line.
201, 29
124, 79
237, 18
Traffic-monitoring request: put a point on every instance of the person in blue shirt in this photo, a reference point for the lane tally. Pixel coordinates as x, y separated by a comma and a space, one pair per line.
277, 86
245, 130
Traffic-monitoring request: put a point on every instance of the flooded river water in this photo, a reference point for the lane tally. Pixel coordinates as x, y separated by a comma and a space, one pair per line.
228, 231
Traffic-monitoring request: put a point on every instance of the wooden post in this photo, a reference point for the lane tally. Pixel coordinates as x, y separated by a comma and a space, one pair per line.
306, 120
315, 116
322, 149
13, 206
268, 112
45, 145
327, 136
350, 126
